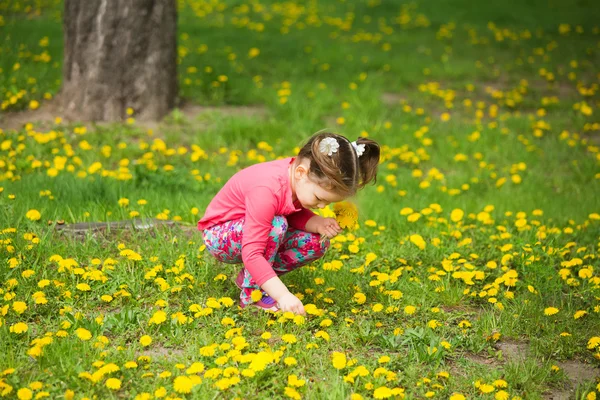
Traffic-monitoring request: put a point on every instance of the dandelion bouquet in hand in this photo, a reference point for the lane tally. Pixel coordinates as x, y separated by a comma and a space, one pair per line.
346, 214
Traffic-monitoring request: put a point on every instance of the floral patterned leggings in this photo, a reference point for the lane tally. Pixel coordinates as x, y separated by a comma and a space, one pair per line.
286, 249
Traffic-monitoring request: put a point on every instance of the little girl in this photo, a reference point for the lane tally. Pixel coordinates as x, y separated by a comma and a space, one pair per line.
261, 217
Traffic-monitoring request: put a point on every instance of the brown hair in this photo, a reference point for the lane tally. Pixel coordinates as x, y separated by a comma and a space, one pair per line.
342, 172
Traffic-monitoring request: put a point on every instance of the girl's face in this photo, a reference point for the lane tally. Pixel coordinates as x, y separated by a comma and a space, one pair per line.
307, 192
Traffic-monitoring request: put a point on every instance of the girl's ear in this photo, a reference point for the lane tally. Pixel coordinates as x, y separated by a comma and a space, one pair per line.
300, 171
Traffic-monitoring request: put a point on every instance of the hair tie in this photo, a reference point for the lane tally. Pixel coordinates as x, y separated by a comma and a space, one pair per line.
328, 146
359, 148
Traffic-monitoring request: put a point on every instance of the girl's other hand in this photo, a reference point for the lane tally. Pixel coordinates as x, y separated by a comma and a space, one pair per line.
328, 227
289, 302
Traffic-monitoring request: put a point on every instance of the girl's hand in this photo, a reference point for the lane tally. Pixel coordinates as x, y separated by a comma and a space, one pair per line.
328, 227
289, 302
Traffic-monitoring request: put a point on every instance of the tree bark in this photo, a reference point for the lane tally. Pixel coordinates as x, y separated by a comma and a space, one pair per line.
119, 54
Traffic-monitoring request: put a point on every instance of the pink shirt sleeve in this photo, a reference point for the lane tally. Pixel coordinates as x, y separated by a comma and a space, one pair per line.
299, 219
260, 211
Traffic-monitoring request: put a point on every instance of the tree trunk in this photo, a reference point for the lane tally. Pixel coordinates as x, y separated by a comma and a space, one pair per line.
119, 54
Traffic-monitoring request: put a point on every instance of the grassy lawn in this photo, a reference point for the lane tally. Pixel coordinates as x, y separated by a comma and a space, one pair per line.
474, 272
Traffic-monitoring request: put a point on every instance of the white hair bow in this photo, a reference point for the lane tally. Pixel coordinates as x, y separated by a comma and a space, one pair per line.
359, 148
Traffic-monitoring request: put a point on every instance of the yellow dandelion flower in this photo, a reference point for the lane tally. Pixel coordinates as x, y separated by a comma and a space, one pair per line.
433, 324
486, 388
370, 258
593, 342
443, 374
33, 215
19, 307
406, 210
145, 340
502, 395
295, 382
160, 392
183, 384
579, 314
359, 298
195, 368
346, 214
256, 295
418, 241
414, 217
382, 393
83, 334
292, 393
457, 215
377, 307
289, 338
260, 361
266, 335
409, 310
158, 318
24, 394
550, 311
289, 361
338, 360
113, 383
84, 287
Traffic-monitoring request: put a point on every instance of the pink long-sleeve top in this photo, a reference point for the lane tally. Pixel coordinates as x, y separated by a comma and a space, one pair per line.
257, 194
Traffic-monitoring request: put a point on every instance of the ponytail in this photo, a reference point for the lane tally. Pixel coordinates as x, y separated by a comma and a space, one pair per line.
368, 162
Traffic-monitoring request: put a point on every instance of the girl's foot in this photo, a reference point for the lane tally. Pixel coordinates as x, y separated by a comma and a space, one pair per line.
266, 303
239, 281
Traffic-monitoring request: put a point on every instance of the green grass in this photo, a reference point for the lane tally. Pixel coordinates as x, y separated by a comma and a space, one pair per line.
416, 89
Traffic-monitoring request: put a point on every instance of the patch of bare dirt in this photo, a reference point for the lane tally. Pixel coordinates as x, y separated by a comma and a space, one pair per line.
191, 111
517, 351
593, 138
456, 369
107, 230
163, 352
392, 99
558, 395
330, 124
187, 114
481, 360
461, 309
578, 373
43, 117
560, 89
201, 116
513, 350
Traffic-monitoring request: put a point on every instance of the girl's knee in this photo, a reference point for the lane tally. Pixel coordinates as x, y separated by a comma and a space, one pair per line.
314, 243
323, 246
280, 224
279, 227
